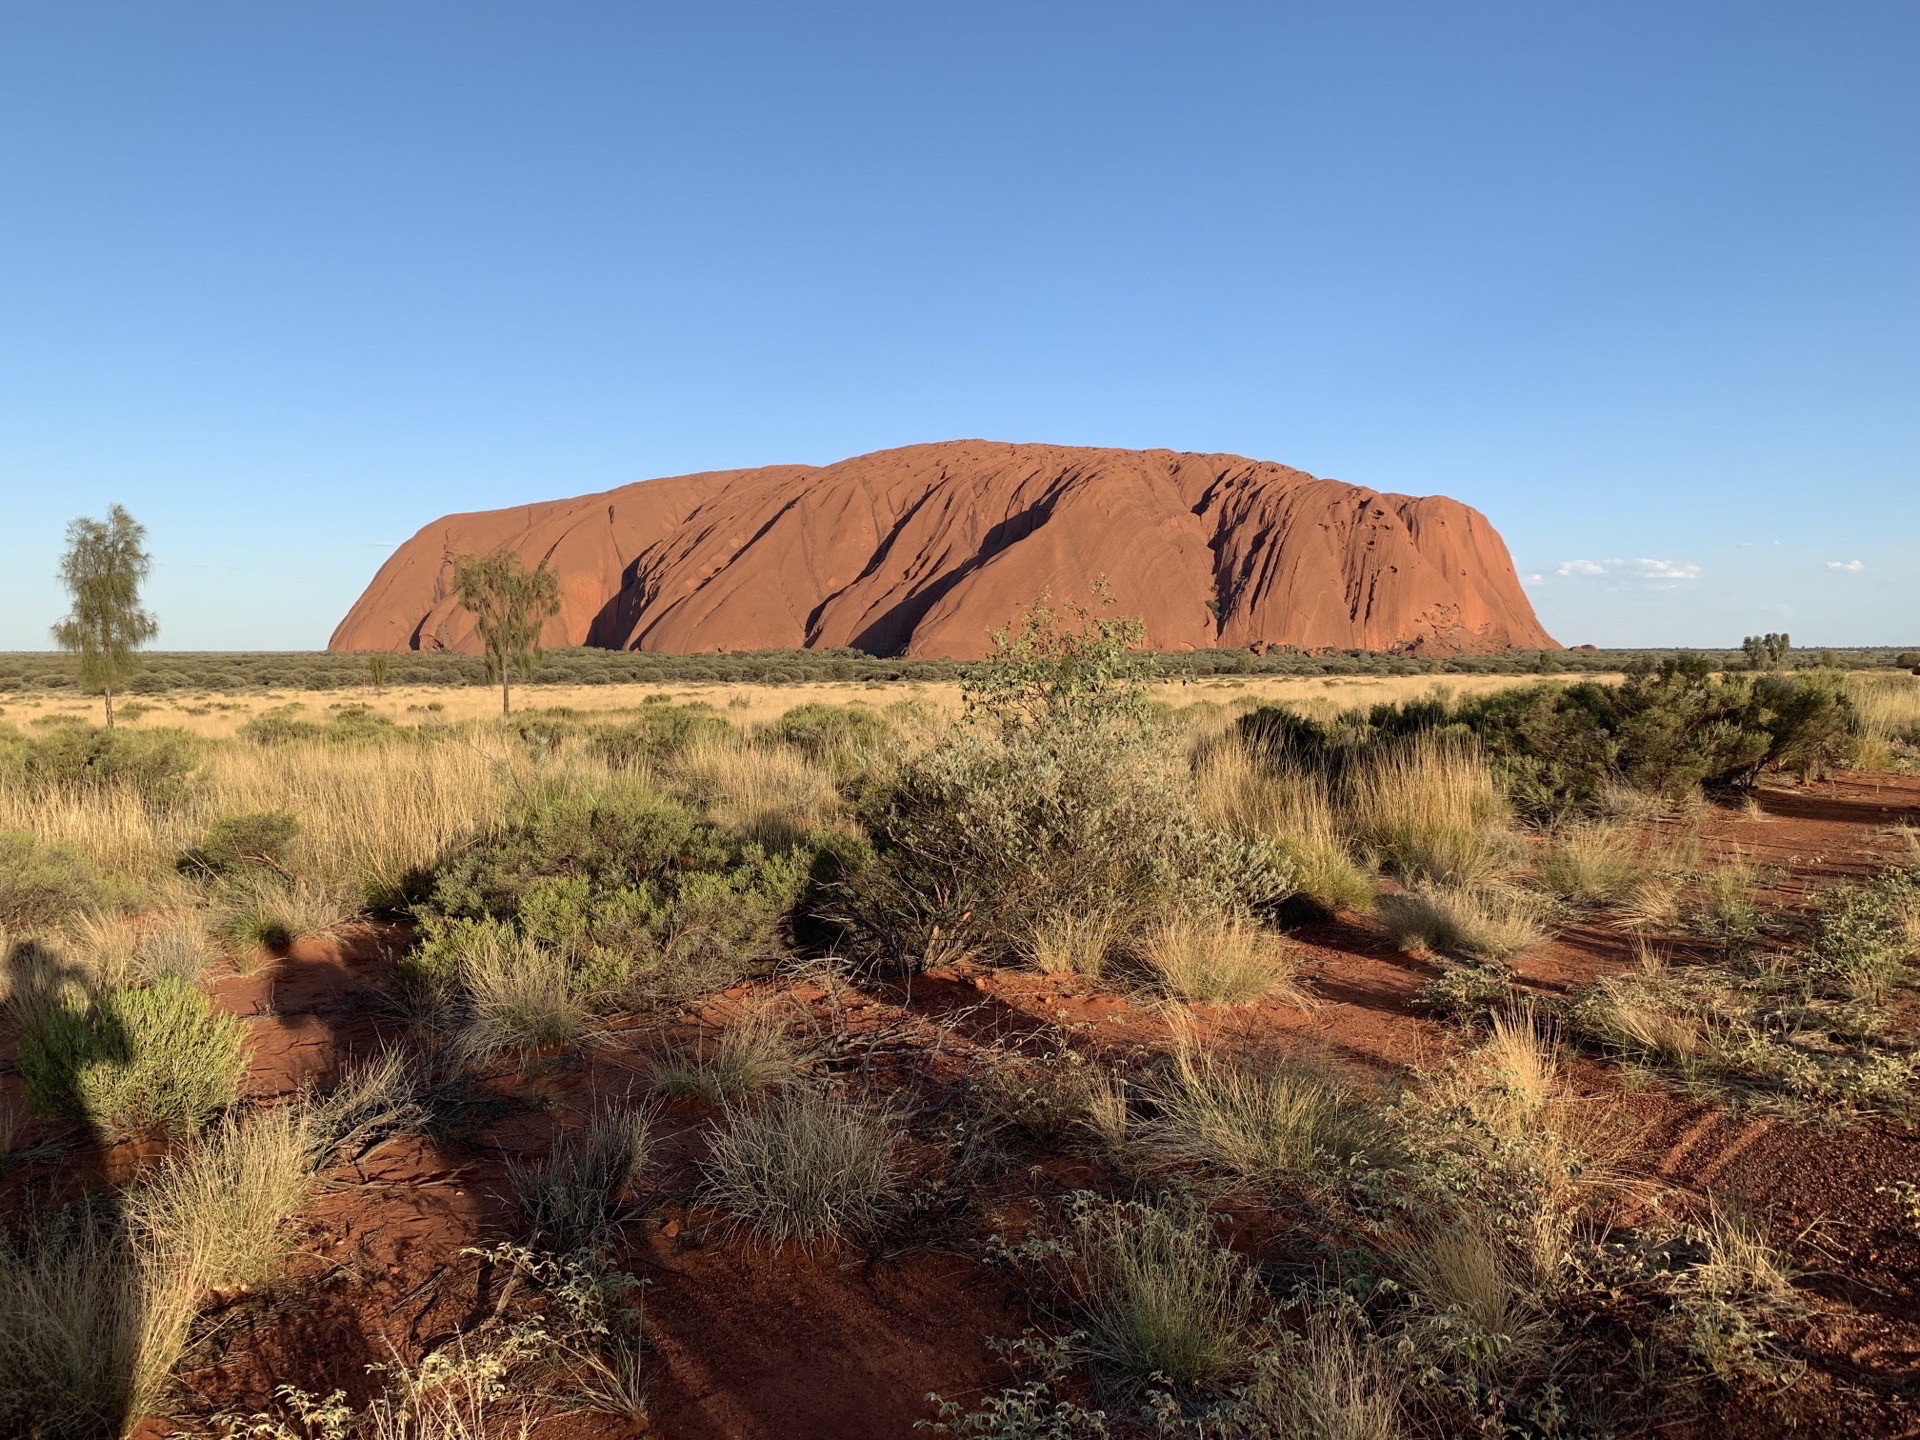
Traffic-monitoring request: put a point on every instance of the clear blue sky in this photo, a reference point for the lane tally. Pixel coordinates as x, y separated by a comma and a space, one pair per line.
1641, 281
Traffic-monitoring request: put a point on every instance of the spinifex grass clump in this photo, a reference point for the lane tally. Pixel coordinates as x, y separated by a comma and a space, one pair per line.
804, 1167
1431, 810
1229, 960
1257, 795
578, 1196
219, 1208
1272, 1124
1160, 1296
92, 1318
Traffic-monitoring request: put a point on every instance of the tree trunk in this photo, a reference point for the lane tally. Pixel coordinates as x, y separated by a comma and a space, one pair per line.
506, 706
109, 696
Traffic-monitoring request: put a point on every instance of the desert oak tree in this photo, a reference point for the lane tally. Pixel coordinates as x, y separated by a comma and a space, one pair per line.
102, 570
509, 604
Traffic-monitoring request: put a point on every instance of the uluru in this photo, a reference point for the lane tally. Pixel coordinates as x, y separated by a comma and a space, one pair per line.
924, 551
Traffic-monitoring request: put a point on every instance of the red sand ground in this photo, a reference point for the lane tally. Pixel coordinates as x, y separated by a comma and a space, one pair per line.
839, 1345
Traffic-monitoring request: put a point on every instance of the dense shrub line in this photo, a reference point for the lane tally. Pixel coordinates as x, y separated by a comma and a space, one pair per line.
172, 673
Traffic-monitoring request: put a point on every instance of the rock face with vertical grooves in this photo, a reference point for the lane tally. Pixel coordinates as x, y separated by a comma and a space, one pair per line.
924, 551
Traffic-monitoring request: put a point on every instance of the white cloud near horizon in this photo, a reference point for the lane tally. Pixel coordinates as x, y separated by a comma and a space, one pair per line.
1641, 569
1846, 564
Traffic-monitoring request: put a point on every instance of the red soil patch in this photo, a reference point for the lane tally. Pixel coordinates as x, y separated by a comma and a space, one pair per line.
749, 1343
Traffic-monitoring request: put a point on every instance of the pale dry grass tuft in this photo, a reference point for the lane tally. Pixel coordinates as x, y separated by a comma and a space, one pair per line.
1162, 1296
1486, 923
368, 814
520, 996
220, 1208
1070, 944
1272, 1124
771, 793
754, 1052
1431, 809
804, 1167
1244, 795
1228, 960
92, 1321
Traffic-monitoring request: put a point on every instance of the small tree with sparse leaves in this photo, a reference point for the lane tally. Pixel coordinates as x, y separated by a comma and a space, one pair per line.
1064, 665
105, 563
378, 666
510, 604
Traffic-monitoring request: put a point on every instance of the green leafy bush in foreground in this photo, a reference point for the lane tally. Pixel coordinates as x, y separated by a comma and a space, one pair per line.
629, 887
130, 1061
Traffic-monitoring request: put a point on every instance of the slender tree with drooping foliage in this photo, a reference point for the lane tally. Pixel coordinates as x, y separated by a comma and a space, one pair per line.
510, 604
105, 564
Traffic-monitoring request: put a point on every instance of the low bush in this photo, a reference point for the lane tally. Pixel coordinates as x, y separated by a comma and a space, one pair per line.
42, 885
1754, 1034
155, 766
658, 734
804, 1167
985, 838
632, 890
130, 1062
236, 842
1866, 938
1667, 729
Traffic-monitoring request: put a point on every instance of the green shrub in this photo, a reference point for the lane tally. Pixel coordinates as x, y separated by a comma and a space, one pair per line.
238, 841
154, 765
985, 836
281, 725
657, 734
840, 738
1666, 729
1866, 938
131, 1062
41, 885
629, 887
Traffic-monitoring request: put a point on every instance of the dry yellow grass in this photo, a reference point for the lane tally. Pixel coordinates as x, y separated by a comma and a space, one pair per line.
1432, 809
745, 705
1242, 795
1069, 944
1226, 960
772, 793
367, 813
